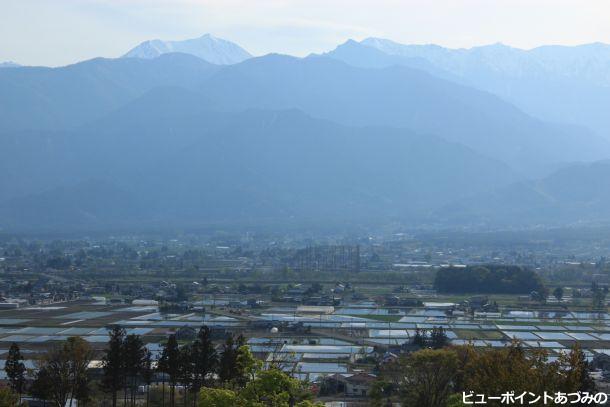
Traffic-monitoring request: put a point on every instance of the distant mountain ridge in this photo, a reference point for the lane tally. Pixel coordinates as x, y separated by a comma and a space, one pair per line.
396, 96
361, 134
197, 165
567, 84
579, 193
9, 64
207, 47
37, 98
590, 62
403, 97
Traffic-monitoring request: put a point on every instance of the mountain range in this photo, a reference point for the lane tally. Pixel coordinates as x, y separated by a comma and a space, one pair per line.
555, 83
201, 164
370, 132
207, 47
56, 98
403, 97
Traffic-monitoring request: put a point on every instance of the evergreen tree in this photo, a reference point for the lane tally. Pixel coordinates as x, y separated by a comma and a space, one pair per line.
147, 374
227, 369
113, 363
42, 386
135, 354
169, 363
15, 369
185, 370
205, 358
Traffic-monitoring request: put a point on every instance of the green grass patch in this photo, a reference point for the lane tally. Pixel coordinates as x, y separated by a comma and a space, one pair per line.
477, 334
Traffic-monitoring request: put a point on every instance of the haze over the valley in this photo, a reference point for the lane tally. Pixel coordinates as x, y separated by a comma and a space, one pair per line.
369, 130
304, 203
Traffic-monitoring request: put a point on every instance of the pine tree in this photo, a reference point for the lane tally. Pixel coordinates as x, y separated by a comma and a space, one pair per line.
15, 369
169, 363
228, 371
113, 363
185, 370
147, 374
134, 359
228, 360
205, 358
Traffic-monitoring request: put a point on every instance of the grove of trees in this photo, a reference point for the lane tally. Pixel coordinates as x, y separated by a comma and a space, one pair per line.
437, 377
196, 374
489, 279
192, 373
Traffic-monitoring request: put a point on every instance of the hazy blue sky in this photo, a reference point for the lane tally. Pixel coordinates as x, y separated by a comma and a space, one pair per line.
56, 32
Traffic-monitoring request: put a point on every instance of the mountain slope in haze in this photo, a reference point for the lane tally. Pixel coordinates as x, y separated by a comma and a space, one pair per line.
403, 97
45, 98
575, 194
359, 55
91, 203
190, 164
207, 47
556, 83
56, 98
9, 64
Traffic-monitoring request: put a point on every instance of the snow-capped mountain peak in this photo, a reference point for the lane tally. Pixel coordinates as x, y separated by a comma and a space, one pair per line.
212, 49
590, 62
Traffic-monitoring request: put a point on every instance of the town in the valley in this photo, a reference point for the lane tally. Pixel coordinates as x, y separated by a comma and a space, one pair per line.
336, 314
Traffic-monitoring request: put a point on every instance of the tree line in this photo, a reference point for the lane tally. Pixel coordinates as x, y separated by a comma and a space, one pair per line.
193, 373
196, 373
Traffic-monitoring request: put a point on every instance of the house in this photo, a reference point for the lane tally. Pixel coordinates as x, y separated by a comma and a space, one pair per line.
478, 302
388, 357
359, 384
